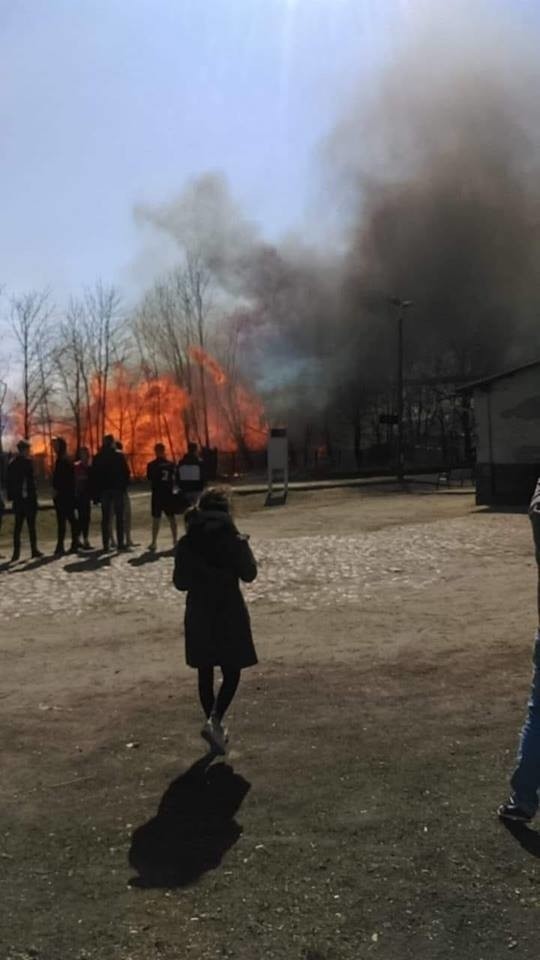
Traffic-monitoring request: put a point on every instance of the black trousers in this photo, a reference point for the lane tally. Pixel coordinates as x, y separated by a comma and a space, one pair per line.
65, 513
112, 500
24, 510
83, 506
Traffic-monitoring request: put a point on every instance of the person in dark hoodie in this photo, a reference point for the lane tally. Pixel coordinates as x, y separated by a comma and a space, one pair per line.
210, 560
110, 479
63, 482
21, 490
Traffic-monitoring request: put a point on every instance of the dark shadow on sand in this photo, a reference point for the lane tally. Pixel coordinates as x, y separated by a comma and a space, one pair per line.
94, 561
149, 557
20, 566
193, 828
527, 838
37, 562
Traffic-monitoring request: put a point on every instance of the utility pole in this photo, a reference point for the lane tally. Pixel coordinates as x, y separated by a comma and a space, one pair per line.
401, 305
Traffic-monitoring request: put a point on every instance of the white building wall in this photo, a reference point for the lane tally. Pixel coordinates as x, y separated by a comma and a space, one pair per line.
515, 419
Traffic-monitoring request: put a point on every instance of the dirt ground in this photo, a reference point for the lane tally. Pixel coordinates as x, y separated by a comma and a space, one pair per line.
355, 814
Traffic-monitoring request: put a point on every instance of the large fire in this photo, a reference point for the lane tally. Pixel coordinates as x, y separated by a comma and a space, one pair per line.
142, 411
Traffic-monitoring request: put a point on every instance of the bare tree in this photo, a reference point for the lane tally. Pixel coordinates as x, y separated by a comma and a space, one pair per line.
30, 323
71, 361
170, 321
101, 325
194, 287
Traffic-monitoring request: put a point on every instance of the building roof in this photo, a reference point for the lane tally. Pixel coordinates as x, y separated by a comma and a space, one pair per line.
485, 381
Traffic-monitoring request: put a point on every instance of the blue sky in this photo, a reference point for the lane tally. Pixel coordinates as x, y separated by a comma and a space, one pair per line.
105, 104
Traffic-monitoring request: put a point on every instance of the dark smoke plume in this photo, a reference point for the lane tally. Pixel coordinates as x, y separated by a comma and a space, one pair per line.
443, 166
439, 167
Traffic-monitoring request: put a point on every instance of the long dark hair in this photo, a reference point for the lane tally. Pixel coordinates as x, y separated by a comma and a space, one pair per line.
215, 498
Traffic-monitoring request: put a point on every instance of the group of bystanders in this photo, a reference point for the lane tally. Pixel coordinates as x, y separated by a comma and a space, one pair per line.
80, 482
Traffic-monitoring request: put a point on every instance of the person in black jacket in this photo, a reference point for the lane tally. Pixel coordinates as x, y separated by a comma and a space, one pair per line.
21, 490
63, 482
161, 474
110, 479
209, 562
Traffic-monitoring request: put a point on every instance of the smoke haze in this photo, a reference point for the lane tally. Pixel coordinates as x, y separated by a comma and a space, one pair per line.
442, 168
437, 168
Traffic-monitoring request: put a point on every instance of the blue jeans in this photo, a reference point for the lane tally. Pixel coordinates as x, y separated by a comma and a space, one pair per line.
525, 780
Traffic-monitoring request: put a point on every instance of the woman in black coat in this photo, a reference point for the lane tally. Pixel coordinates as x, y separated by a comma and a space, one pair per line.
210, 560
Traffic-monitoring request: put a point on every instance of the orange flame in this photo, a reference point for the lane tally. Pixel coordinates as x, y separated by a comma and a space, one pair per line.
143, 411
209, 363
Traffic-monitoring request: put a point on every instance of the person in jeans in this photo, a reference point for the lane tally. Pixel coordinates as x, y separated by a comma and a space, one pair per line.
83, 501
127, 510
525, 781
63, 482
110, 478
21, 490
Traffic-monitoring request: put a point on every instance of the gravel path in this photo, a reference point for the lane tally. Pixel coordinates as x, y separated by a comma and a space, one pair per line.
306, 572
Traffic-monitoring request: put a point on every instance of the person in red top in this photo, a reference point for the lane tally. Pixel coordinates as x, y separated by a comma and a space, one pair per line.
83, 499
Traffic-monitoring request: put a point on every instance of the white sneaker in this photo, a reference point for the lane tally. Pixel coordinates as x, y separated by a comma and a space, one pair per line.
215, 735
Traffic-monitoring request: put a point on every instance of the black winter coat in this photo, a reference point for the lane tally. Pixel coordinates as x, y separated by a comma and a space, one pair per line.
21, 485
109, 471
63, 480
209, 562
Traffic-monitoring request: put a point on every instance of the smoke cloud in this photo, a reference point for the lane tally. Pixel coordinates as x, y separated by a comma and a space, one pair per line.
442, 167
438, 168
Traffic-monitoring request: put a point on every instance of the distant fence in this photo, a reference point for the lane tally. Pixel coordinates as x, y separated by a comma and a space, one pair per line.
303, 462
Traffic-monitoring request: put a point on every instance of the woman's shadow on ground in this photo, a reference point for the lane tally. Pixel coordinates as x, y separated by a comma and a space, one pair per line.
193, 828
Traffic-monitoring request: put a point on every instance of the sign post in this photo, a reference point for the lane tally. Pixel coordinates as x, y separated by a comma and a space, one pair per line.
278, 461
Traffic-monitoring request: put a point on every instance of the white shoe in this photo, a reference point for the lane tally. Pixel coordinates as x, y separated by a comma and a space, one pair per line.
216, 736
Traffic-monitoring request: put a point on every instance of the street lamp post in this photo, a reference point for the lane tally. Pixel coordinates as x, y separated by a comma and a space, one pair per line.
401, 305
